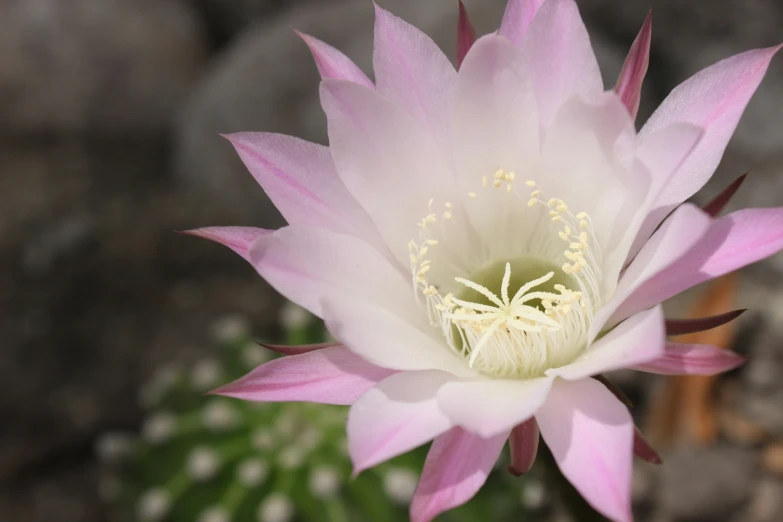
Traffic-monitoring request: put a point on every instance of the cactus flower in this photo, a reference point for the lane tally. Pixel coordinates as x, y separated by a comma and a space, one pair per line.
484, 242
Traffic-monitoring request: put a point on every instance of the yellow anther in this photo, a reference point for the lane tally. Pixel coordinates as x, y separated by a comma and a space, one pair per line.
535, 193
500, 174
508, 188
423, 251
553, 213
532, 202
557, 218
432, 242
484, 182
563, 236
447, 215
497, 183
581, 215
530, 183
448, 204
583, 224
472, 195
414, 259
567, 230
583, 237
561, 207
575, 246
552, 202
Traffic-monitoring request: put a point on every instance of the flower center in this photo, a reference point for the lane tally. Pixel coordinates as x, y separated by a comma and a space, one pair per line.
515, 317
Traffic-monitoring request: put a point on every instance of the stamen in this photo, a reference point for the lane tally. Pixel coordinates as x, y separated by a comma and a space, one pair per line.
505, 336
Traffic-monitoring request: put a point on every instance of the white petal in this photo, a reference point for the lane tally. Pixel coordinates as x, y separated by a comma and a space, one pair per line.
306, 265
490, 407
411, 70
388, 340
637, 340
388, 162
495, 127
397, 415
559, 56
677, 235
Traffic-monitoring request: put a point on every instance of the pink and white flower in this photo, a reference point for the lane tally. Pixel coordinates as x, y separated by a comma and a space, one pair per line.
484, 241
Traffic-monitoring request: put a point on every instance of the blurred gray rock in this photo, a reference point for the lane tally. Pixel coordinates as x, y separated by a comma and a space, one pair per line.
766, 503
225, 18
96, 65
704, 485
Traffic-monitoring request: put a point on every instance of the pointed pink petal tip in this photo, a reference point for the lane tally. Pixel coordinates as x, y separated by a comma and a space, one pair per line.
693, 359
332, 63
523, 443
687, 326
283, 349
716, 206
517, 19
329, 376
644, 450
237, 239
629, 83
466, 34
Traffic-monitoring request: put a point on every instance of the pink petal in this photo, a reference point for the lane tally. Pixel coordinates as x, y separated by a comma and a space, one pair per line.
629, 84
413, 72
719, 202
523, 443
638, 339
381, 152
237, 239
686, 326
692, 359
492, 406
332, 63
677, 235
296, 350
643, 449
560, 58
517, 18
466, 34
307, 265
457, 465
301, 181
389, 340
590, 434
329, 376
397, 415
732, 242
714, 99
